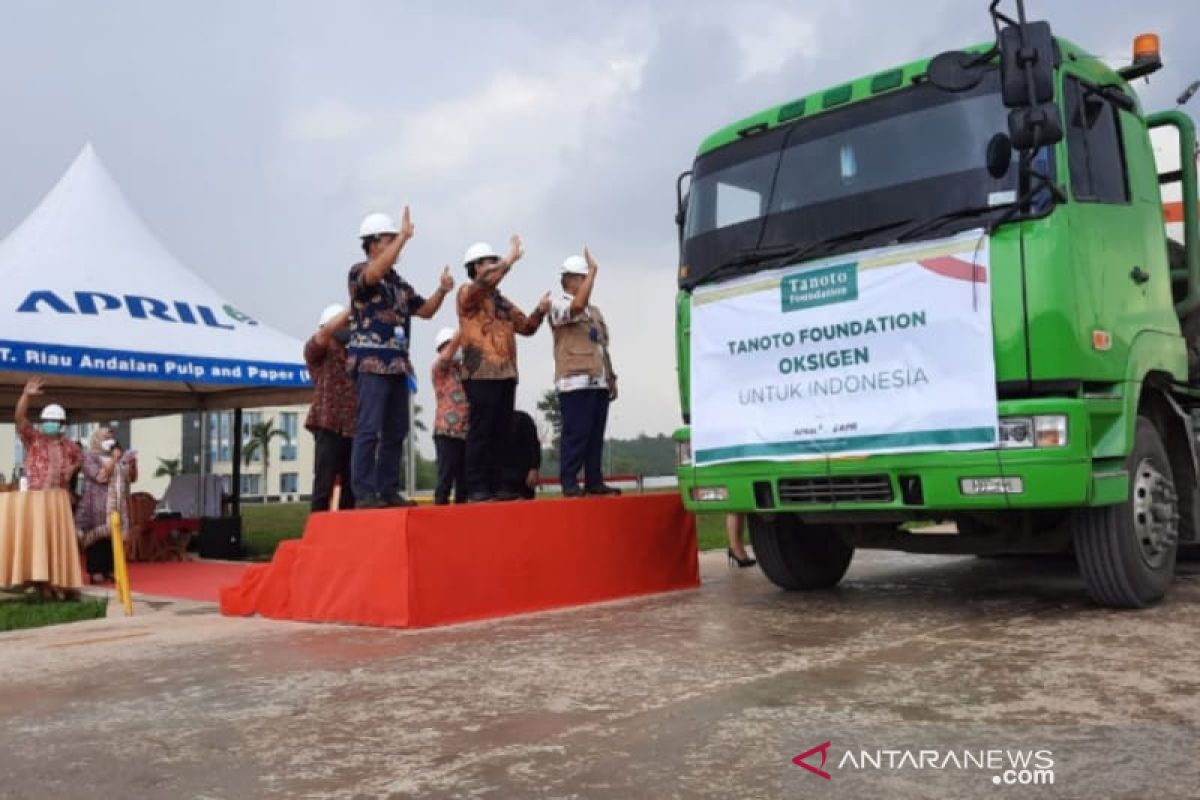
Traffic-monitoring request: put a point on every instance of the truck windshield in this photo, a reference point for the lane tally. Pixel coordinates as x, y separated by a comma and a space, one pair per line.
914, 154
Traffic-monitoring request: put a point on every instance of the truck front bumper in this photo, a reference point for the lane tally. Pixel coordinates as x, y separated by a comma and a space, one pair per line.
917, 484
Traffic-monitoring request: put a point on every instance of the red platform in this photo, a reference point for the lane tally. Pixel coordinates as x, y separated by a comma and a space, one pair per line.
418, 567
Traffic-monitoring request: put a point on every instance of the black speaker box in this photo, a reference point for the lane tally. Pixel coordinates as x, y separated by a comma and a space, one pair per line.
220, 537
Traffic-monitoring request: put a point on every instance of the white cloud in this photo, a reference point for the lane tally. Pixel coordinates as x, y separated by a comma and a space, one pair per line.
770, 36
328, 120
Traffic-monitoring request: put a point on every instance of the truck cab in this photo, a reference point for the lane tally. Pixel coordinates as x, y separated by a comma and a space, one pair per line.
945, 292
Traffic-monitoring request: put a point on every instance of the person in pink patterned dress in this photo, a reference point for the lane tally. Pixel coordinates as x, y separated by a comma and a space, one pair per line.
50, 457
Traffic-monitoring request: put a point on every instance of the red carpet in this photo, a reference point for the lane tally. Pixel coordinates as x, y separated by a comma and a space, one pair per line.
184, 580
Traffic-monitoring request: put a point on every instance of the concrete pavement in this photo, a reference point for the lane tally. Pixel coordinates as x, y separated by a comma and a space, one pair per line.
699, 694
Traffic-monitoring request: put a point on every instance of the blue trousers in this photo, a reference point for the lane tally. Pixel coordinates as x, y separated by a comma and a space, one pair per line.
584, 417
380, 428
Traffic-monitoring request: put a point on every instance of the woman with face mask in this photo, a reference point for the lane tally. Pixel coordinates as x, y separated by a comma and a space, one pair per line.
50, 457
107, 473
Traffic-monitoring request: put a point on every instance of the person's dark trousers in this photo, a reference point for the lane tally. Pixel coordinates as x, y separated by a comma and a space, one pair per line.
381, 426
331, 461
451, 469
514, 483
584, 417
99, 557
491, 417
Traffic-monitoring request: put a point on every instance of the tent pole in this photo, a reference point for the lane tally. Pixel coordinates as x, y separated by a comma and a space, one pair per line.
235, 506
204, 465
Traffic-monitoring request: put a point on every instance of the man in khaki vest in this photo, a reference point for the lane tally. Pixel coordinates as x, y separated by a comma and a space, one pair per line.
583, 377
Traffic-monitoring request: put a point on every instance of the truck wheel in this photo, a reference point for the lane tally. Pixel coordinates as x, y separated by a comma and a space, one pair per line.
1126, 552
799, 557
1191, 337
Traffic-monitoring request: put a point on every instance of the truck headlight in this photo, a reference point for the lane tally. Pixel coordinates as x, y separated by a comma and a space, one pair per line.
1050, 430
1043, 430
710, 494
683, 453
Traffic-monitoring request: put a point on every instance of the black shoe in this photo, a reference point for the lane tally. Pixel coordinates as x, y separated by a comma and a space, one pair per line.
398, 500
480, 497
572, 491
504, 496
370, 501
441, 501
603, 489
741, 562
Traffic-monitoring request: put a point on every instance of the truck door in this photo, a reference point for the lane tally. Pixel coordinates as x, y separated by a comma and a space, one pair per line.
1118, 247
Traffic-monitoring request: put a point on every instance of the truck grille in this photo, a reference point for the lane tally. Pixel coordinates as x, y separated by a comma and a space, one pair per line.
851, 489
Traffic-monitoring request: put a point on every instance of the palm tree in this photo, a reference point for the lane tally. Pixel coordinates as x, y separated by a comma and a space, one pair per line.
261, 434
550, 409
169, 467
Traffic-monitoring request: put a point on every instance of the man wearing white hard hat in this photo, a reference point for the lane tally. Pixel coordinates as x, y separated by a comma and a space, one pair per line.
487, 326
583, 377
381, 307
450, 420
50, 457
334, 407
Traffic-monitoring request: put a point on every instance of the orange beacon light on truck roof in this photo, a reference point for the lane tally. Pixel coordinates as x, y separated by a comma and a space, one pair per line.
1145, 47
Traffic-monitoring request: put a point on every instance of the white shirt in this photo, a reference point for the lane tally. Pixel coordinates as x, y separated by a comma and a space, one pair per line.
560, 314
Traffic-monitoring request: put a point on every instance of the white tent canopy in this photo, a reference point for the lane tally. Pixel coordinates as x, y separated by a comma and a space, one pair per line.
93, 303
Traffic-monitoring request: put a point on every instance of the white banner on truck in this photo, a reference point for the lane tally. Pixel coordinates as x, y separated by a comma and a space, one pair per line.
883, 351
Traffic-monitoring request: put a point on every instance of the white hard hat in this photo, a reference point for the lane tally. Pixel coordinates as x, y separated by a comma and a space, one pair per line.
375, 224
443, 336
479, 250
329, 313
574, 265
54, 413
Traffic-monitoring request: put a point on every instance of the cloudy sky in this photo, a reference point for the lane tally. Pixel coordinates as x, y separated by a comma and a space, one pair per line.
253, 136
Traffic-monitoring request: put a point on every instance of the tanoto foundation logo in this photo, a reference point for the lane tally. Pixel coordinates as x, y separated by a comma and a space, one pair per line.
1019, 767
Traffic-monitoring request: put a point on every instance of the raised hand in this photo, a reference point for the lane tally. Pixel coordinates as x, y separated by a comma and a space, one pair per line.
591, 262
543, 305
34, 386
406, 226
446, 281
515, 250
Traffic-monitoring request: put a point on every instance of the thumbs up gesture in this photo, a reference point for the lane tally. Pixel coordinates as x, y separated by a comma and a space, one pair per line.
446, 281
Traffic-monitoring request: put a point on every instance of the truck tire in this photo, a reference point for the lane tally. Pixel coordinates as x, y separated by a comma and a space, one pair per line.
799, 557
1191, 337
1126, 552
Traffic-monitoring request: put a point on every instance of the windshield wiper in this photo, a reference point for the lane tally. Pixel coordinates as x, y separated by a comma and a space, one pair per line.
930, 223
771, 255
754, 255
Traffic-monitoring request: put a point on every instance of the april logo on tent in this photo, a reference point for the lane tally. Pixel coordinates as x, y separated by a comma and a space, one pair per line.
136, 306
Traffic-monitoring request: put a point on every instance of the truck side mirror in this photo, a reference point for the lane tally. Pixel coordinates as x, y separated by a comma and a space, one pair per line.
1035, 126
681, 199
1027, 67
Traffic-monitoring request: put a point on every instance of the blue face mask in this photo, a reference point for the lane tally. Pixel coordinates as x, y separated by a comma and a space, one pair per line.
52, 428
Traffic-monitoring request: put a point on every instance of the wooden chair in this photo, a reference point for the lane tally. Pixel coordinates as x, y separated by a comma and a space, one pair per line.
139, 544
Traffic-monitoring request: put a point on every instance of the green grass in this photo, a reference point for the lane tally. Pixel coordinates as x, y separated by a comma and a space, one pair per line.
265, 526
710, 532
34, 612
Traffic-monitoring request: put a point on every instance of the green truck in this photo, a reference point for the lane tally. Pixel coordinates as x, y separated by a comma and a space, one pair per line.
946, 292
